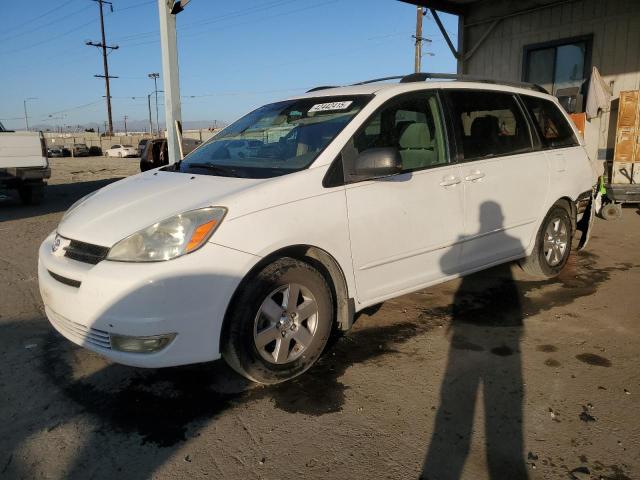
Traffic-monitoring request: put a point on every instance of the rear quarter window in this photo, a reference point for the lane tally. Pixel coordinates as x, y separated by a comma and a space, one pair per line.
552, 126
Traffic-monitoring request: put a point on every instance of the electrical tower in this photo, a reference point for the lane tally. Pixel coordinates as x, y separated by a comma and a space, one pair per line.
103, 45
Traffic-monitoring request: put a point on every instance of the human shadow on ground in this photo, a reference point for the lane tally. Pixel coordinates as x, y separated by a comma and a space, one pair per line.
484, 361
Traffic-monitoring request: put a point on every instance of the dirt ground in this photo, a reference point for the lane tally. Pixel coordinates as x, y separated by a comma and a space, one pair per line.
493, 376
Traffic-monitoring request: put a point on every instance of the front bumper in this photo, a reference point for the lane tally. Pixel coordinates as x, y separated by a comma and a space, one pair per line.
187, 296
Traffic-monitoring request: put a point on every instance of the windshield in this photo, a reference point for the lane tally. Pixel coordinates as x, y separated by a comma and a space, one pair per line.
2, 127
276, 139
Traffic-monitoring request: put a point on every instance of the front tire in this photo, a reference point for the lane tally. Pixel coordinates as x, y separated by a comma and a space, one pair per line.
279, 322
552, 247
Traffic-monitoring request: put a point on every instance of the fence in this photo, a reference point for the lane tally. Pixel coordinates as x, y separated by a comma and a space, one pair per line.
94, 140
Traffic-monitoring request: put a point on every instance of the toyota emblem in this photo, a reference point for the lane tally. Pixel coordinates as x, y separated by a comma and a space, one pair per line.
56, 244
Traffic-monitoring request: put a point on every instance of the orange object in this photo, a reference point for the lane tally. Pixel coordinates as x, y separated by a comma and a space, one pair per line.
199, 235
580, 120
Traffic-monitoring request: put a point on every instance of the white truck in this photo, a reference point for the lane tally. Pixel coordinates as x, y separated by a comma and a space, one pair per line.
23, 164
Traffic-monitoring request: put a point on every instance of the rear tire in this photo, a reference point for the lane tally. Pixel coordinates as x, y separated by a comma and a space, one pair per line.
553, 245
31, 194
267, 338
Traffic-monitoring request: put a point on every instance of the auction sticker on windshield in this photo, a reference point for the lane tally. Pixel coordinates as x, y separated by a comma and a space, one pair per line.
327, 107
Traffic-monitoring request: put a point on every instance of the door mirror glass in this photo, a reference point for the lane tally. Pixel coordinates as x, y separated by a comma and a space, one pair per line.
377, 162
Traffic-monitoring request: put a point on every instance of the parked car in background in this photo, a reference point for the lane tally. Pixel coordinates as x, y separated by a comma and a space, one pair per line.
95, 151
122, 151
23, 164
355, 196
55, 152
66, 151
80, 150
156, 152
141, 144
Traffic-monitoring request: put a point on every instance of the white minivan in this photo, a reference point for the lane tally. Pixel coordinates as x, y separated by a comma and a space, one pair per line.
348, 197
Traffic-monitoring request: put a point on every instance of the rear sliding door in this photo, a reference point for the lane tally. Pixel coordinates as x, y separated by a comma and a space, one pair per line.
505, 179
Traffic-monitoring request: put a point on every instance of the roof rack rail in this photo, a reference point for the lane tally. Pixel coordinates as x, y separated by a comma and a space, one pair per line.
366, 82
422, 76
376, 80
322, 87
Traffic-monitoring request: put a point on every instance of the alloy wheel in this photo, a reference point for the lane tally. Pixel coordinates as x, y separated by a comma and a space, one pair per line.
285, 324
556, 241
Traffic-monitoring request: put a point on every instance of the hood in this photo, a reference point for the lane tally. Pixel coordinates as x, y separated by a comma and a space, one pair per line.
125, 207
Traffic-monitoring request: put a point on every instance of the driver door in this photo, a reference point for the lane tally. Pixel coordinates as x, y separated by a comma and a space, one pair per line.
404, 229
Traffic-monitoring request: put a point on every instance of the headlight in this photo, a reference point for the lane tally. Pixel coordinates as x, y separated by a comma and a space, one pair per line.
169, 238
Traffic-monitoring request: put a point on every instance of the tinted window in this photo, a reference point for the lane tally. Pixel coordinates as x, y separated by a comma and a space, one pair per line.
552, 126
489, 124
412, 124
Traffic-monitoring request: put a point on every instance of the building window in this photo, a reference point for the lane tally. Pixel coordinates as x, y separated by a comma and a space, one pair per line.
562, 67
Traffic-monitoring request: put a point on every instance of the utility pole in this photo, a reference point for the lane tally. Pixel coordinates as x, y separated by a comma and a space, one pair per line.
125, 125
155, 77
26, 117
167, 10
418, 37
103, 45
150, 122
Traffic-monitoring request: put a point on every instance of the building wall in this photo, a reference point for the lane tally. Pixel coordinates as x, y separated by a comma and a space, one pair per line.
614, 24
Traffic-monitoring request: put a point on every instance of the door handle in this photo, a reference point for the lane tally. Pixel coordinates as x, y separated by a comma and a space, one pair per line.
450, 181
474, 176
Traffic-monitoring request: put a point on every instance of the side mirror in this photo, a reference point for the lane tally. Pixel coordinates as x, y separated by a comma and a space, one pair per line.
377, 162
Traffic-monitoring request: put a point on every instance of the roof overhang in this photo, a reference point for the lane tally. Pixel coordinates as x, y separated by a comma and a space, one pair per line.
456, 7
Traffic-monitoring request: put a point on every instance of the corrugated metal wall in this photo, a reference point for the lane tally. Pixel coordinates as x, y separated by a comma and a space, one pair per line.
614, 24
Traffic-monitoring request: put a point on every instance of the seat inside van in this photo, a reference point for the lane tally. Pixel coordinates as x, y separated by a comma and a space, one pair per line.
416, 146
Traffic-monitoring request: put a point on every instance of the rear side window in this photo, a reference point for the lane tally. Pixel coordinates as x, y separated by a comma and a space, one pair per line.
552, 125
489, 123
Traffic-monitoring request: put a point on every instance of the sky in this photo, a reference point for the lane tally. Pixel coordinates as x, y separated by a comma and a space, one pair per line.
233, 56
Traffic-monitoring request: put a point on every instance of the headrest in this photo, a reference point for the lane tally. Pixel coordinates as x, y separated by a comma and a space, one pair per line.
416, 135
486, 126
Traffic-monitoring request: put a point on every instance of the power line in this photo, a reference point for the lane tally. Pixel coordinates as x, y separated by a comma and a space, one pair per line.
39, 27
48, 40
136, 5
262, 18
233, 14
17, 27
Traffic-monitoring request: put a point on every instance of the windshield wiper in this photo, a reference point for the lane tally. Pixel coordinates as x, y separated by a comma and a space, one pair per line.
220, 169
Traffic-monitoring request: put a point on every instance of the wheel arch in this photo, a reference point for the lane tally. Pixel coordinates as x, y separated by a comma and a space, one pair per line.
325, 263
568, 204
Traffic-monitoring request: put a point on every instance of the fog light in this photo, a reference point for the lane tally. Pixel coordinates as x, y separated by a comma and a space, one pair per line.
151, 344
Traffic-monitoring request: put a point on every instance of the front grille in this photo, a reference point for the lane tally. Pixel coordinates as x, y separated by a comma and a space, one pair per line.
67, 281
80, 334
86, 252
